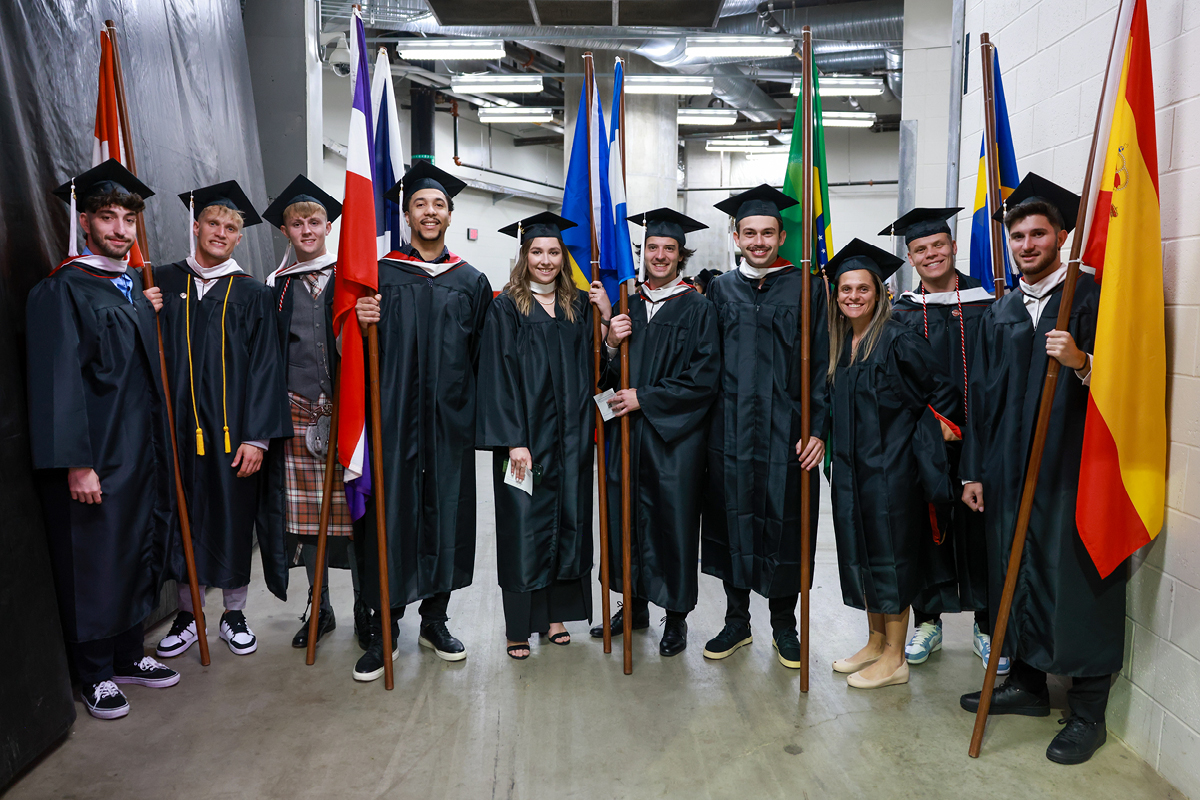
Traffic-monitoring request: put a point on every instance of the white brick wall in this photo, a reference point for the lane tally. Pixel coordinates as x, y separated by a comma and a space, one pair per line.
1053, 57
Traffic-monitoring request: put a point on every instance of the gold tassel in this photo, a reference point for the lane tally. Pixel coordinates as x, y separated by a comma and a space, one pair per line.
199, 442
228, 449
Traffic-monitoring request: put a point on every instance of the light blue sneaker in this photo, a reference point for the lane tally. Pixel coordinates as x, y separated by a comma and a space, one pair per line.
925, 640
983, 649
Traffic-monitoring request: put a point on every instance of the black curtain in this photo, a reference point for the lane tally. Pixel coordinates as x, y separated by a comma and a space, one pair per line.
193, 123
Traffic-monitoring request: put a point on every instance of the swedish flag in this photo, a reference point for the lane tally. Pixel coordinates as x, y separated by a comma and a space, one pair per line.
981, 229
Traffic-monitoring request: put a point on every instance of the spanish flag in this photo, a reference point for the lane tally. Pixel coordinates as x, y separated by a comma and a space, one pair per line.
1122, 478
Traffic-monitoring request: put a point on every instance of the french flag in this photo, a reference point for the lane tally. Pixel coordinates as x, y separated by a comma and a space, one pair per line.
357, 276
390, 227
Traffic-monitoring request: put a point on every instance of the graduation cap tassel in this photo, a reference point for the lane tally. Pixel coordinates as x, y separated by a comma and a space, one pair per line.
192, 237
72, 245
642, 250
520, 232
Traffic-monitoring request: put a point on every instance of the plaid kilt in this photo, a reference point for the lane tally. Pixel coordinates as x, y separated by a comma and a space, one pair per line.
305, 475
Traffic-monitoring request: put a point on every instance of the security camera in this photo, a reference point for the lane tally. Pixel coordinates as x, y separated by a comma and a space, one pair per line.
336, 53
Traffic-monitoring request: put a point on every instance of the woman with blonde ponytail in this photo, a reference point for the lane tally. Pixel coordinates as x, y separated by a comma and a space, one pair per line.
535, 413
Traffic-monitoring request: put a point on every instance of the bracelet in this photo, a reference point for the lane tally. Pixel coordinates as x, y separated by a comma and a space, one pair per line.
604, 321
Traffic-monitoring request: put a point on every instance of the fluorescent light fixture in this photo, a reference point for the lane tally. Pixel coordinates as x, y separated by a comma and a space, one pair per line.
668, 84
847, 119
450, 49
736, 145
497, 84
762, 154
517, 114
738, 46
845, 87
706, 116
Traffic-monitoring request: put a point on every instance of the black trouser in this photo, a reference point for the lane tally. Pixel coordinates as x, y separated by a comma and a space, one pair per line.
1087, 697
737, 608
96, 660
433, 609
641, 610
982, 619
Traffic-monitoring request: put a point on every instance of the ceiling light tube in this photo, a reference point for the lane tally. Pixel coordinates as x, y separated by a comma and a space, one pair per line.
450, 49
738, 46
517, 114
735, 145
497, 84
834, 86
706, 116
847, 119
668, 84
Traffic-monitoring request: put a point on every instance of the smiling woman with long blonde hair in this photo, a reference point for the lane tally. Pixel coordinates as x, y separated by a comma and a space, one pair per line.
892, 405
535, 414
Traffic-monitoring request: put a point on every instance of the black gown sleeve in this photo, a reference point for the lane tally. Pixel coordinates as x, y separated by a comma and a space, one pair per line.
59, 432
970, 465
676, 405
499, 410
483, 301
268, 415
819, 361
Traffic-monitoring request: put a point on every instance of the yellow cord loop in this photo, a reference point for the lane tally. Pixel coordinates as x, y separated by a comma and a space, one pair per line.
224, 399
191, 371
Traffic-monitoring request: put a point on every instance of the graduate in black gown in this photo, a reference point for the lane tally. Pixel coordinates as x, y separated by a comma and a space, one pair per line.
945, 309
1065, 618
892, 408
750, 533
430, 311
674, 366
535, 414
100, 442
230, 400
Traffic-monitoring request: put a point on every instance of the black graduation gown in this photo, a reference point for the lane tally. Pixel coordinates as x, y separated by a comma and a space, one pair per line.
675, 365
222, 506
956, 569
750, 535
428, 355
1065, 619
95, 400
889, 462
535, 391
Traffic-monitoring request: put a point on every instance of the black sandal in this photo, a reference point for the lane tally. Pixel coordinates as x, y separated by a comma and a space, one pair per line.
513, 648
558, 638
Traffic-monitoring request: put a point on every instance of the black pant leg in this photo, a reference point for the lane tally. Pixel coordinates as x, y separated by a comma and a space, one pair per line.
129, 647
433, 609
1088, 697
783, 612
1026, 677
737, 605
983, 619
920, 616
93, 661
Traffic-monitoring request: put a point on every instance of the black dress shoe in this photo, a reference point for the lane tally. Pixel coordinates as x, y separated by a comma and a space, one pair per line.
727, 642
1010, 699
1076, 742
362, 623
436, 636
325, 623
674, 638
787, 648
617, 624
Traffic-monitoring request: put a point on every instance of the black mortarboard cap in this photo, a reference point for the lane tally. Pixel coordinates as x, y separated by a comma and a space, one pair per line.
667, 222
1035, 187
860, 255
921, 222
543, 224
301, 190
104, 178
424, 175
226, 193
761, 201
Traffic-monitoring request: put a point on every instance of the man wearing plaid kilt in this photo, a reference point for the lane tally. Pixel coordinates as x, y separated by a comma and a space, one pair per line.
303, 301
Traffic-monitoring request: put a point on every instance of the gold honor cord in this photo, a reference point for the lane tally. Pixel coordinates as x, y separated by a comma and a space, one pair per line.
224, 392
192, 374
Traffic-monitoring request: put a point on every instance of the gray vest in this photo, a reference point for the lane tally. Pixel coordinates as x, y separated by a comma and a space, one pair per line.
308, 357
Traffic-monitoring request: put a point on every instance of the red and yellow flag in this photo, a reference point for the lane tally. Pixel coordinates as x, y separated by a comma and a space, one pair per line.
1122, 478
109, 141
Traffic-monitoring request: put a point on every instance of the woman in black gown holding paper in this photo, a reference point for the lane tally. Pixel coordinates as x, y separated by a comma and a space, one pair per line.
535, 413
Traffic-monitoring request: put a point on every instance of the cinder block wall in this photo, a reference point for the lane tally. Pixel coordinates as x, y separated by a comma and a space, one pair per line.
1053, 54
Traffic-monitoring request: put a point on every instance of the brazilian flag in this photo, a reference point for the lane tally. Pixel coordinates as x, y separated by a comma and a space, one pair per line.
792, 217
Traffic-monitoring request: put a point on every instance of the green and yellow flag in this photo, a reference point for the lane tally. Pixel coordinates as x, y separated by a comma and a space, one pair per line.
822, 226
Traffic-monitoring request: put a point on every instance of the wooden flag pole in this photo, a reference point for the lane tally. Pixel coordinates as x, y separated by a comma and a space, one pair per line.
991, 160
626, 545
589, 79
385, 602
185, 527
1025, 510
806, 349
314, 600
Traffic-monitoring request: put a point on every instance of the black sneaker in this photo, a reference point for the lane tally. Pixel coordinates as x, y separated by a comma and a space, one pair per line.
147, 672
674, 638
1008, 698
370, 664
436, 636
362, 623
181, 636
617, 623
325, 623
1077, 742
727, 642
787, 647
104, 700
236, 632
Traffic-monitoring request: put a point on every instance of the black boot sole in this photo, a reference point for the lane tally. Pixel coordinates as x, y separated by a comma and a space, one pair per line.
996, 711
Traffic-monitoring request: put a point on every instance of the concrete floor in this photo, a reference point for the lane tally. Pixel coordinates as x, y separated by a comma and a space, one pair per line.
566, 723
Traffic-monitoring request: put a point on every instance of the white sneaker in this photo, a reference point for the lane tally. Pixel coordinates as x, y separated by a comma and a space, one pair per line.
181, 636
237, 633
926, 639
983, 649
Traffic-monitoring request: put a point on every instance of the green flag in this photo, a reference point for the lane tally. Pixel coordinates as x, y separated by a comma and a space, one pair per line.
822, 227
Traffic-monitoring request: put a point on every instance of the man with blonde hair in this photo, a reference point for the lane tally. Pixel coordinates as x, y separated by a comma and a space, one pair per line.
230, 400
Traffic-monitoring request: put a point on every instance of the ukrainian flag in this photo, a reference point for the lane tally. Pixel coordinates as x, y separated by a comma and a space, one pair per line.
981, 229
792, 249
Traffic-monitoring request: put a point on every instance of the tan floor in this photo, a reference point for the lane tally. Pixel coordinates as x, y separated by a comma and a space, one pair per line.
566, 723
